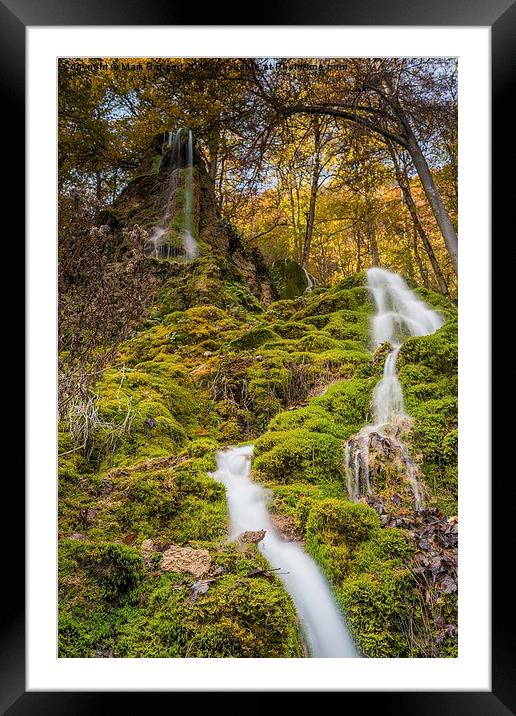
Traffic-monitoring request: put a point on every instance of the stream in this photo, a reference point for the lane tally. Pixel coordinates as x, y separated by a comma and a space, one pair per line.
322, 624
399, 315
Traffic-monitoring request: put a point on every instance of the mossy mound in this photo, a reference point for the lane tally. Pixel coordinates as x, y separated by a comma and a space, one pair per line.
209, 280
168, 498
297, 455
370, 568
428, 373
114, 605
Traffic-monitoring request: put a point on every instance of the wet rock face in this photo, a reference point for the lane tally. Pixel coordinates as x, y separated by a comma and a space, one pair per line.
145, 198
379, 463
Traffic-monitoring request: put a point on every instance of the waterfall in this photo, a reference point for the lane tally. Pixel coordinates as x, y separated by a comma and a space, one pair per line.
175, 159
388, 395
322, 624
167, 142
309, 281
189, 243
180, 175
399, 315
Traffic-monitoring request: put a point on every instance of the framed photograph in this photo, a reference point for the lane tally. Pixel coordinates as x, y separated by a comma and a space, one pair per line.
258, 289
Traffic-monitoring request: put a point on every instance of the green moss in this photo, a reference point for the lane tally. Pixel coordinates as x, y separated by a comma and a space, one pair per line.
367, 565
156, 163
349, 402
199, 520
239, 615
291, 329
313, 418
253, 338
211, 366
438, 351
336, 299
428, 374
289, 278
209, 280
316, 342
299, 455
297, 500
375, 608
114, 570
338, 522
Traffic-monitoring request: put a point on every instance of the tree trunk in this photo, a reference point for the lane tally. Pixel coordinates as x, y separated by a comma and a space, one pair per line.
212, 165
419, 261
115, 186
310, 218
371, 235
434, 198
295, 228
408, 140
411, 273
404, 185
358, 242
220, 198
98, 185
213, 142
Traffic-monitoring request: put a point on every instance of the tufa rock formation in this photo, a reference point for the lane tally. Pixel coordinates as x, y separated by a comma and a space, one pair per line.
156, 200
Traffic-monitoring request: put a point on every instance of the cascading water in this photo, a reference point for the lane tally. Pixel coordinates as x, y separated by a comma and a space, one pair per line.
388, 395
399, 315
189, 243
167, 141
309, 281
322, 624
180, 176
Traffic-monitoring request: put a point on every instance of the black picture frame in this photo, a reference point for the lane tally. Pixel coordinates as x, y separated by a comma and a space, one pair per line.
500, 15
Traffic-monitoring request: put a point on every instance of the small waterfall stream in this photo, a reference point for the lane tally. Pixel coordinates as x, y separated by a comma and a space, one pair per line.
322, 624
399, 315
309, 281
180, 168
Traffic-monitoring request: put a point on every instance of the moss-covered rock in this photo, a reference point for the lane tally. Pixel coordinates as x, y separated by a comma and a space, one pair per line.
108, 609
290, 280
368, 566
428, 374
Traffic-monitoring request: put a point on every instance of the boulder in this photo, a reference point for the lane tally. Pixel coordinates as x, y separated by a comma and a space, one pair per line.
186, 559
290, 279
251, 536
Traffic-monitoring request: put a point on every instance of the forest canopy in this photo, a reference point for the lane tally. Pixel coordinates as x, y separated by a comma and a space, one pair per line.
339, 164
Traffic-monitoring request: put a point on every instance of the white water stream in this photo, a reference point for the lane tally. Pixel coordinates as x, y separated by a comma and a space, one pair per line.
399, 315
322, 624
309, 281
